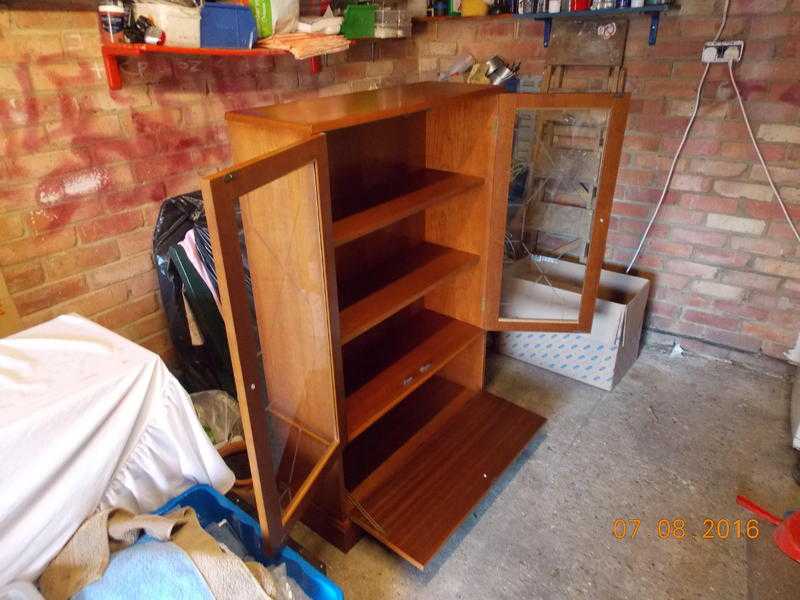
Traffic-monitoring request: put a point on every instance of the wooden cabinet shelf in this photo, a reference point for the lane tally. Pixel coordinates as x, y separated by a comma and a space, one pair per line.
396, 284
374, 229
426, 343
392, 203
427, 486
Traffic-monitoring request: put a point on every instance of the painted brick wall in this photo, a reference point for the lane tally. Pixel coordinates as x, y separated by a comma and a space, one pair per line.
83, 170
724, 264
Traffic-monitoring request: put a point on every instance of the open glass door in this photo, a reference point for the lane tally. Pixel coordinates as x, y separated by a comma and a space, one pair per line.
556, 169
277, 305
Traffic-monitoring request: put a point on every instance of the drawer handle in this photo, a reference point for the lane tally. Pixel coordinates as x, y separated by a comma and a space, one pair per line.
408, 381
425, 368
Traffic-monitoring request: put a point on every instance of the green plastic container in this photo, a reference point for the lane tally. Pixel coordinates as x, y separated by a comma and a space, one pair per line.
359, 21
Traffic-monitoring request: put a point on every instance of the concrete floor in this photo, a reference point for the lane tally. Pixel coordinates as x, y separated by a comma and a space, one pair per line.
678, 438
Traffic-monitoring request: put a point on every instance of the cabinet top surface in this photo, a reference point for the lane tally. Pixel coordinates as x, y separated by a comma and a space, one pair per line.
335, 112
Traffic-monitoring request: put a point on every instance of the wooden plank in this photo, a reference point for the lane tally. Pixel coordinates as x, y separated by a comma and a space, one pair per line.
409, 372
386, 290
334, 112
416, 499
422, 190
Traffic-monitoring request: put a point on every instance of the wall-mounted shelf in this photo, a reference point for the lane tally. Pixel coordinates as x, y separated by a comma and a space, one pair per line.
112, 52
653, 10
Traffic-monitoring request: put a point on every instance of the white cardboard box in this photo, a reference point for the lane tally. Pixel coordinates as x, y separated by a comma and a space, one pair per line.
600, 358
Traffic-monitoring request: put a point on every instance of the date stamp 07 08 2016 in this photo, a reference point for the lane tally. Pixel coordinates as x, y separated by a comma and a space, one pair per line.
678, 529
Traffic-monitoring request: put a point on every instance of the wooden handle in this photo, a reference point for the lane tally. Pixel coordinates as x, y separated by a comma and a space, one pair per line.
757, 510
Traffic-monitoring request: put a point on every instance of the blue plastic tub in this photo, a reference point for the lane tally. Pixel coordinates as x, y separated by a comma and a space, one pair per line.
226, 26
212, 507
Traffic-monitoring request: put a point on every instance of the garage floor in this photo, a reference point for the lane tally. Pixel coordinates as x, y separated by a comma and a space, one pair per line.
678, 438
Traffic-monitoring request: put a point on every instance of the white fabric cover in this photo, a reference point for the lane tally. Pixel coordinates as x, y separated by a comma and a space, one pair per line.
88, 420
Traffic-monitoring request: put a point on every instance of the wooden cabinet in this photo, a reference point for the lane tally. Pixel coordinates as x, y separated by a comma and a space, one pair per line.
374, 226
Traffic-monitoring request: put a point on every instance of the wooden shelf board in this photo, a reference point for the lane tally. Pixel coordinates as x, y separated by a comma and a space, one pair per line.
139, 49
386, 290
416, 499
318, 115
442, 338
418, 191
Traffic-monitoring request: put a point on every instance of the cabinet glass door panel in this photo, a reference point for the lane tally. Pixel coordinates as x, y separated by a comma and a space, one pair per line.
556, 168
273, 302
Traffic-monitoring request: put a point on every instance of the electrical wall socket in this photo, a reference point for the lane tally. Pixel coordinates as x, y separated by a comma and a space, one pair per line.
722, 52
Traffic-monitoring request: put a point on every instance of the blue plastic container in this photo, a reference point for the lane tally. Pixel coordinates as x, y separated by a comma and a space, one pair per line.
226, 26
212, 507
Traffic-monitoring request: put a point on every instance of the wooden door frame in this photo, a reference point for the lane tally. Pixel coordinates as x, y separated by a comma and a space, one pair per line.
508, 104
220, 194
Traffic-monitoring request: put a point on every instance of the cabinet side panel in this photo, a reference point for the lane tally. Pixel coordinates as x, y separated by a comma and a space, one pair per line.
461, 138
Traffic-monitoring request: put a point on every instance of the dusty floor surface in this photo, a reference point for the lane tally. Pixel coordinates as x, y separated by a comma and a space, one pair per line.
678, 438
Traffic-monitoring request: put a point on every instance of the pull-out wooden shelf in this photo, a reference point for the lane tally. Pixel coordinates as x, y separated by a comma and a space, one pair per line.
436, 339
384, 291
428, 485
418, 191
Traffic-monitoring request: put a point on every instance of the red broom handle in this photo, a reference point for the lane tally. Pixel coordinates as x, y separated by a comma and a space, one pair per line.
757, 510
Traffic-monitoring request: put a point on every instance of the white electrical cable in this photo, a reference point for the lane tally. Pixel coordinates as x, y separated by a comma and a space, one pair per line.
681, 145
671, 169
760, 156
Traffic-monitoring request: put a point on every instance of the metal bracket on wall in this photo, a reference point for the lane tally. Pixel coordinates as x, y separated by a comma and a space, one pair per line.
653, 10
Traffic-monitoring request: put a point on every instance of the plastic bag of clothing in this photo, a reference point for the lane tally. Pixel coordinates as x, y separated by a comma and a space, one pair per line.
203, 365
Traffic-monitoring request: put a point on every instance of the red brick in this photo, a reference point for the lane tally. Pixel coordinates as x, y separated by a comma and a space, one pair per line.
631, 210
691, 269
669, 248
22, 277
119, 271
698, 237
57, 216
159, 343
761, 246
744, 151
34, 247
671, 280
723, 257
49, 295
106, 227
768, 331
146, 194
748, 343
145, 327
663, 309
712, 320
741, 310
709, 203
127, 313
11, 227
751, 280
92, 303
81, 259
136, 242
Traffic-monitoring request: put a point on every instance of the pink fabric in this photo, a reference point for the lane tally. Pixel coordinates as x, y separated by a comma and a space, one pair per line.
189, 245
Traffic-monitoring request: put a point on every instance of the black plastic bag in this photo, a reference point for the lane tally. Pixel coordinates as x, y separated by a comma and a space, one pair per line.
199, 367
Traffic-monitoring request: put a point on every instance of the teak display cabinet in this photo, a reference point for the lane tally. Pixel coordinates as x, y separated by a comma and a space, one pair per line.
373, 229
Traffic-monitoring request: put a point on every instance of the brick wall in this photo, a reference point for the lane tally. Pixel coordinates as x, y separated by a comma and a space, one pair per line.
724, 264
83, 170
